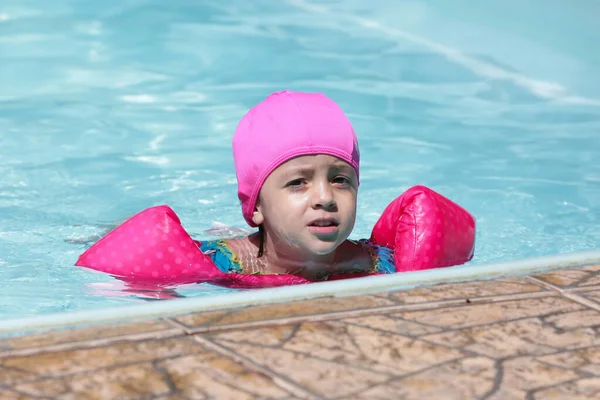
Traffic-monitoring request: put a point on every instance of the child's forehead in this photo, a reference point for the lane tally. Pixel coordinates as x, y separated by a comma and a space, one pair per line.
313, 162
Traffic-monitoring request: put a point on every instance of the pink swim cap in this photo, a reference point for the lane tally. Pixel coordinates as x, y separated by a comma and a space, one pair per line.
286, 125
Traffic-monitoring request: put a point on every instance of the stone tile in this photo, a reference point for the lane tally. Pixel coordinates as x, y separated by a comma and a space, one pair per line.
530, 336
202, 375
206, 318
359, 346
286, 310
325, 378
199, 375
123, 382
593, 295
6, 394
585, 360
578, 319
334, 359
467, 378
580, 289
463, 290
572, 278
479, 314
208, 375
274, 336
508, 379
581, 389
395, 324
367, 348
53, 364
171, 396
9, 376
527, 373
82, 334
179, 396
473, 377
504, 393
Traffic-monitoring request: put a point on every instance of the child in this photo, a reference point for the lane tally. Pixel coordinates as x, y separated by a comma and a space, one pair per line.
297, 164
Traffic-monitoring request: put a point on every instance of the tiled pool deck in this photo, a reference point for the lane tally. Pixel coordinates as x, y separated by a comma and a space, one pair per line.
535, 337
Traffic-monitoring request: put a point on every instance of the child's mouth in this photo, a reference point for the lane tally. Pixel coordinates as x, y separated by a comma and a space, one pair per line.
323, 226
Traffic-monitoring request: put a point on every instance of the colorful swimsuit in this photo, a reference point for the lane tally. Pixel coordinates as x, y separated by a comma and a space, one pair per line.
228, 262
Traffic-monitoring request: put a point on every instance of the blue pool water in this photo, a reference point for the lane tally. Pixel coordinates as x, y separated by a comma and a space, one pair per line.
107, 108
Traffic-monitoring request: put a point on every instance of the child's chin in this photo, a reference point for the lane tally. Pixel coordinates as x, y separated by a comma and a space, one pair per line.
324, 248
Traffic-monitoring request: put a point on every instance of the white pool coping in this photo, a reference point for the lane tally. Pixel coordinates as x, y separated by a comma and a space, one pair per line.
341, 288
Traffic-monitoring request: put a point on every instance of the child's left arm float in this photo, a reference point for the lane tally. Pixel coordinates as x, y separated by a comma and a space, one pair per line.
425, 230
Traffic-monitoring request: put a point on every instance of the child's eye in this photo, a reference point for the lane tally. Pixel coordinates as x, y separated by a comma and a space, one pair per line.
342, 180
295, 183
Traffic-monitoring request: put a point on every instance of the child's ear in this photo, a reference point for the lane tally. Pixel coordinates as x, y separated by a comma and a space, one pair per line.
258, 217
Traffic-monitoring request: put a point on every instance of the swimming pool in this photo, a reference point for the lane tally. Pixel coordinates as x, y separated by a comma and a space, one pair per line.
109, 109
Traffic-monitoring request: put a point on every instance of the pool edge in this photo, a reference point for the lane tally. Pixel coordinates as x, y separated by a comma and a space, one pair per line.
341, 288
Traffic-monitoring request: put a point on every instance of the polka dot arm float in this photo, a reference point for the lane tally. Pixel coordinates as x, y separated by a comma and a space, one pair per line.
425, 230
150, 248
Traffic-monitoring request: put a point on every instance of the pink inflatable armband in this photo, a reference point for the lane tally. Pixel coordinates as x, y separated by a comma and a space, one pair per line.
151, 247
425, 230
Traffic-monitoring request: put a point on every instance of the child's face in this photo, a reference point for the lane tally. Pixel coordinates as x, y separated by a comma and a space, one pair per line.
309, 204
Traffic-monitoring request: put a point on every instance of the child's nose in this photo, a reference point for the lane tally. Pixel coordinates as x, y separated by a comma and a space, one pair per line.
323, 196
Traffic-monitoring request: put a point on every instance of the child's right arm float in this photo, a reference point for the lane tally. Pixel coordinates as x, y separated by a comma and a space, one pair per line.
425, 230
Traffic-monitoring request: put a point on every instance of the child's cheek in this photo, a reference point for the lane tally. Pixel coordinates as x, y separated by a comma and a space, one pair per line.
299, 200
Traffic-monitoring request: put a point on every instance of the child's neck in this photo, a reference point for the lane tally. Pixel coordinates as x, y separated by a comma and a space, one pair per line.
276, 260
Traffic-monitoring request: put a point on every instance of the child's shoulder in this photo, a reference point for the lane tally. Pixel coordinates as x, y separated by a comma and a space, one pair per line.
231, 255
374, 258
237, 245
